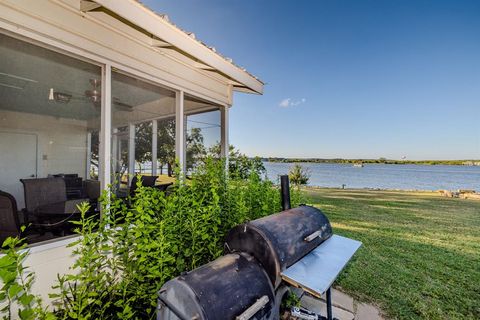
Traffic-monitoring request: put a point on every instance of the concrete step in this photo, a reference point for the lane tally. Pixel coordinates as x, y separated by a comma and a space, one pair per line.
320, 307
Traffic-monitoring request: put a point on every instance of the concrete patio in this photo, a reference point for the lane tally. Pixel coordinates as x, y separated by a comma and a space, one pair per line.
344, 307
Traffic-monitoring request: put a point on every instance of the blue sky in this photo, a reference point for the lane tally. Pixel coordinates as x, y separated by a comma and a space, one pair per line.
351, 79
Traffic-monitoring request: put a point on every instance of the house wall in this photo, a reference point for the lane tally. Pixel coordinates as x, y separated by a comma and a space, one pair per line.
48, 261
62, 143
61, 148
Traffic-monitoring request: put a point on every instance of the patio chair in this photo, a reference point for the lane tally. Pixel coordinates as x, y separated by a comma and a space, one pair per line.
45, 191
73, 185
9, 222
147, 181
92, 189
42, 191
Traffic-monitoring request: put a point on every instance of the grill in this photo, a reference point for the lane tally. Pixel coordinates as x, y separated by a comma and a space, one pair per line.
279, 240
263, 260
223, 289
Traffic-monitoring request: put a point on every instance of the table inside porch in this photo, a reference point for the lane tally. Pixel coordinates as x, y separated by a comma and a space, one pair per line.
60, 213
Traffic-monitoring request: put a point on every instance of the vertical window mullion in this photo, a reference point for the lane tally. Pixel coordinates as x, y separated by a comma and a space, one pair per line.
106, 127
180, 130
224, 141
154, 146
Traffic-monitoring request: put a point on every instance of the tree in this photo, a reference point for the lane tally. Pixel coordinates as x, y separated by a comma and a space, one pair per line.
166, 145
239, 165
143, 143
298, 175
94, 152
195, 148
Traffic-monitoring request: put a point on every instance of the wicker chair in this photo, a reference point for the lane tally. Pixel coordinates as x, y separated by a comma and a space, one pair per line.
92, 189
42, 191
147, 181
39, 192
9, 222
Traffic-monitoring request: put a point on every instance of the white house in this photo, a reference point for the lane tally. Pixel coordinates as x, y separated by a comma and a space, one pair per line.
80, 79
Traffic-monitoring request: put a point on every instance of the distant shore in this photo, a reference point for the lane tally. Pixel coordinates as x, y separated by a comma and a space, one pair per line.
467, 162
459, 194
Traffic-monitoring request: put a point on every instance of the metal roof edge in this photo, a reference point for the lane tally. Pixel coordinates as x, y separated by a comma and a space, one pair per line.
159, 25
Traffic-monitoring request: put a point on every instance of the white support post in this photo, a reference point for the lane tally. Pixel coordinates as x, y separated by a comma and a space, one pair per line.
185, 132
154, 146
131, 152
106, 128
115, 159
180, 130
89, 156
224, 143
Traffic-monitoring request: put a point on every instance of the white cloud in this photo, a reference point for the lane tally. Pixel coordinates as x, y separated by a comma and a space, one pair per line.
288, 102
285, 103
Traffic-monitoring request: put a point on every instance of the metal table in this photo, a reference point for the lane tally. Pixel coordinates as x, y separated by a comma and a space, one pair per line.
163, 186
58, 213
316, 272
60, 208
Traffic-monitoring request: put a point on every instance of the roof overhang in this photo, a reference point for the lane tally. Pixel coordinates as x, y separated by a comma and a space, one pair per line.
171, 36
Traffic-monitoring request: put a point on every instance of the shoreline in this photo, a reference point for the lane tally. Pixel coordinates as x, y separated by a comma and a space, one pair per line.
370, 189
459, 194
459, 163
376, 189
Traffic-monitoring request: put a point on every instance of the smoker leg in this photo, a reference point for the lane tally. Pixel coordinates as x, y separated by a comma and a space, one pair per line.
282, 290
329, 304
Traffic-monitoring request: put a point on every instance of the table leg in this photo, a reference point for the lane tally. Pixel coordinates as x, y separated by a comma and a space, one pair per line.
329, 304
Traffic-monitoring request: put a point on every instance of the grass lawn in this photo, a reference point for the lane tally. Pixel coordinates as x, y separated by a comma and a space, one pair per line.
420, 257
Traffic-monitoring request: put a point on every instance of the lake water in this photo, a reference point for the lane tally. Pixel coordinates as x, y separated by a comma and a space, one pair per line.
384, 176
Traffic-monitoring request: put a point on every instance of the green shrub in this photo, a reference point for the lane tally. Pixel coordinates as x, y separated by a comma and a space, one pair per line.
125, 257
298, 175
17, 283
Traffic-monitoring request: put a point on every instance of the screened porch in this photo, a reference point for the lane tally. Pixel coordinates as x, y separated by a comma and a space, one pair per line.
69, 127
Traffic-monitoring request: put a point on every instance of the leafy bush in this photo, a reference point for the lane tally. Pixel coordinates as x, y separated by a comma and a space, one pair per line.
239, 165
125, 257
17, 283
298, 175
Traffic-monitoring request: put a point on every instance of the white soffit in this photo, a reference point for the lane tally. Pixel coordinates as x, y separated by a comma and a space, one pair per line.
170, 35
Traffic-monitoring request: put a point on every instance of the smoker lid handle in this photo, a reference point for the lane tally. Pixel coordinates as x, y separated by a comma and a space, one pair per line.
254, 308
314, 235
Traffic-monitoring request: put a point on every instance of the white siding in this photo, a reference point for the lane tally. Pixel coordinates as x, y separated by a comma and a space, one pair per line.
104, 38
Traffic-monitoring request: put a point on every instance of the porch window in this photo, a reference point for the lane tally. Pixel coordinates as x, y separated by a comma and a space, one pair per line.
165, 147
49, 138
53, 146
203, 136
139, 107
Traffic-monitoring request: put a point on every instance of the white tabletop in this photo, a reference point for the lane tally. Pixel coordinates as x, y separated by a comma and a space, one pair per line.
317, 271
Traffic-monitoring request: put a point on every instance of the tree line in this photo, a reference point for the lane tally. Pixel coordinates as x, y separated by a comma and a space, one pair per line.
373, 161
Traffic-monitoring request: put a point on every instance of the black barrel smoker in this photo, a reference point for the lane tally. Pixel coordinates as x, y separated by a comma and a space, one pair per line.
280, 240
262, 259
234, 286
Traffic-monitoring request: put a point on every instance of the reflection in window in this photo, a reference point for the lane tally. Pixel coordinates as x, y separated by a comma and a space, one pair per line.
49, 143
203, 136
135, 105
143, 148
165, 146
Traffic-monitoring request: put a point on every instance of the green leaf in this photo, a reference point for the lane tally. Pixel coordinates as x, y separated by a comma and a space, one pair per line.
26, 299
26, 314
14, 290
6, 261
